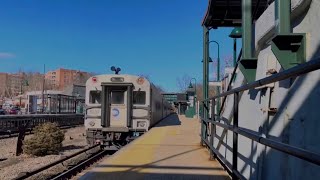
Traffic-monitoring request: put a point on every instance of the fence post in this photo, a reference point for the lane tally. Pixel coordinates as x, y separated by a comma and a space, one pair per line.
22, 133
213, 129
235, 135
202, 125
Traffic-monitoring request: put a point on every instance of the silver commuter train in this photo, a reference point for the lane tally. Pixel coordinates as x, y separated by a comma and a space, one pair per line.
120, 108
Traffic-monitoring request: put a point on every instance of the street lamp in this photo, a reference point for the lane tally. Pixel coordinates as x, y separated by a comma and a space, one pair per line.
218, 64
195, 93
235, 34
218, 74
195, 89
210, 60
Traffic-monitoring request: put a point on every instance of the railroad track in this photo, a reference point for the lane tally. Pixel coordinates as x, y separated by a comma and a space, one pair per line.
81, 166
73, 169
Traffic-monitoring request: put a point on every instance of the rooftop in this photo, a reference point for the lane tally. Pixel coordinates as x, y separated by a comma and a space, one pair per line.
227, 13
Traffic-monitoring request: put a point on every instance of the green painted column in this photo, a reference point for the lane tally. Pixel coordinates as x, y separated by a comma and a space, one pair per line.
234, 52
248, 64
205, 79
218, 78
247, 29
282, 15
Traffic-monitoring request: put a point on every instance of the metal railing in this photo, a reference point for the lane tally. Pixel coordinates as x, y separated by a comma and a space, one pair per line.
212, 122
11, 123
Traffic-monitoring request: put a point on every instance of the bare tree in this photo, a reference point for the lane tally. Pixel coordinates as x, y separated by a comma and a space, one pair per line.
227, 61
82, 77
183, 82
212, 92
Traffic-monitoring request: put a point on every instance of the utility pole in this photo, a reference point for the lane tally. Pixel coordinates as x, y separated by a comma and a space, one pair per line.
43, 84
20, 92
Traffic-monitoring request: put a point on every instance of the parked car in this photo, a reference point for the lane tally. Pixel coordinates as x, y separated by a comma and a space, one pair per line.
13, 111
2, 112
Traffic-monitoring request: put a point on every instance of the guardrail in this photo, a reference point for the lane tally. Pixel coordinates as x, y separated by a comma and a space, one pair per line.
11, 123
21, 123
211, 123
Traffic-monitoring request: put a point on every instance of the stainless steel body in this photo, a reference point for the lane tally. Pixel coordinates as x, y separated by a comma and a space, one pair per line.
120, 108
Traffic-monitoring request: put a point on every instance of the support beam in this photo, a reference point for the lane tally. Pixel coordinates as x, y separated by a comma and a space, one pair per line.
282, 15
205, 80
247, 28
248, 64
288, 47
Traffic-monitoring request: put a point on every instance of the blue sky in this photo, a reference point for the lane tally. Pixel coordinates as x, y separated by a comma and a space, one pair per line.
160, 39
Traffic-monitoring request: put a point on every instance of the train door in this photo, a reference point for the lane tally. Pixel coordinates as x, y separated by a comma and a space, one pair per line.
118, 107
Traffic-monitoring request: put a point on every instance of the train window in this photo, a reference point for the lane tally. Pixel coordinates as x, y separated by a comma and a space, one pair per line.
158, 105
95, 97
117, 97
139, 97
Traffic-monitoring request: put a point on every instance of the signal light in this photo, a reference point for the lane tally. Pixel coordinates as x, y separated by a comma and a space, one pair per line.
94, 79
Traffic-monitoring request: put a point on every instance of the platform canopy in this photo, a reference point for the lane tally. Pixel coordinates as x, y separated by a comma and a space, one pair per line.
227, 13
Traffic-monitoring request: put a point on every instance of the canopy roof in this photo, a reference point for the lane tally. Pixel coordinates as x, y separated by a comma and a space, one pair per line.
227, 13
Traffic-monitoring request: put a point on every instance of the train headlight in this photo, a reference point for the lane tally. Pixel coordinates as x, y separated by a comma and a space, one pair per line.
141, 124
140, 80
91, 123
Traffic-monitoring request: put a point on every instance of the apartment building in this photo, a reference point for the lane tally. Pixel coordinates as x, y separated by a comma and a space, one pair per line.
61, 78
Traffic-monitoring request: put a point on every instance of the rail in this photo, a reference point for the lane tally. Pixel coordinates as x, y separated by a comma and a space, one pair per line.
31, 173
212, 122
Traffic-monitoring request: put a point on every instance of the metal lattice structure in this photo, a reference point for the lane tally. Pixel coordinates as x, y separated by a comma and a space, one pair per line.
11, 124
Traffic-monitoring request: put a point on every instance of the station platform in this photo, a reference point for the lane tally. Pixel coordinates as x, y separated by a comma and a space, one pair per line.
170, 150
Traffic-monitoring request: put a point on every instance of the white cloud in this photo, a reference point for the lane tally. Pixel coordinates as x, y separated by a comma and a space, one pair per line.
6, 55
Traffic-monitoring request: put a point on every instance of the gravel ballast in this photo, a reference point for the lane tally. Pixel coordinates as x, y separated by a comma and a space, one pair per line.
11, 165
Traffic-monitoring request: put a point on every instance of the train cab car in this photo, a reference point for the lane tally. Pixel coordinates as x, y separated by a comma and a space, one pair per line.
120, 108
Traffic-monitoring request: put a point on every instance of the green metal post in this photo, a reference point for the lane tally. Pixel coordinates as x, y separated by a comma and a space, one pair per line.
248, 64
195, 91
247, 29
218, 79
283, 11
234, 52
289, 48
205, 80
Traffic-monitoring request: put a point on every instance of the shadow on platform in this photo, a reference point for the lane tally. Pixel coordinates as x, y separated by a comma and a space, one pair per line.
153, 171
135, 175
172, 120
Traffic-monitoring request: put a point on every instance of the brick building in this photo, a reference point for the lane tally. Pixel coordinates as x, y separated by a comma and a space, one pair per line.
10, 84
61, 78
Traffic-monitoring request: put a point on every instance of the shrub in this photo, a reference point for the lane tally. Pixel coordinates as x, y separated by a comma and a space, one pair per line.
47, 139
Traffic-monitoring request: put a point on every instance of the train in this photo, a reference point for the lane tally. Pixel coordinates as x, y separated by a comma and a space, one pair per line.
120, 108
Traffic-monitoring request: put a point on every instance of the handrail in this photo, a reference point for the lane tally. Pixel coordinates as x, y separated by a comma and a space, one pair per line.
289, 73
295, 151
